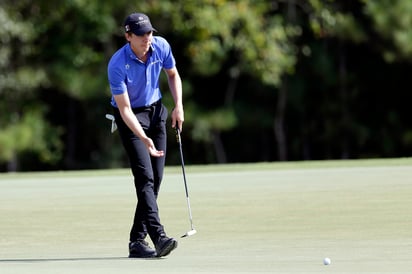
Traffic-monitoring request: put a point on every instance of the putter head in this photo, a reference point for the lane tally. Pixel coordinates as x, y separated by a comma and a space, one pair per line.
190, 233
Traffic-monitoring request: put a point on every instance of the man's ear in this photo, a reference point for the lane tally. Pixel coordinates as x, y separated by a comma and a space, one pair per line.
128, 36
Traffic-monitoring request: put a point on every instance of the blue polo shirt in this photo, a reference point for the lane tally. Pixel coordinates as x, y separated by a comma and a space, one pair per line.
126, 73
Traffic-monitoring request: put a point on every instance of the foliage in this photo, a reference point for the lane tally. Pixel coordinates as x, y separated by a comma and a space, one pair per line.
33, 134
322, 74
392, 20
23, 129
257, 42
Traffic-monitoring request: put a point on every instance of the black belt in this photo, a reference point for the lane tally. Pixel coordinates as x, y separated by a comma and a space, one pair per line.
140, 109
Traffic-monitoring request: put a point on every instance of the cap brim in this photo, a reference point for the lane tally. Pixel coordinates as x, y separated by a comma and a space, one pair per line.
143, 31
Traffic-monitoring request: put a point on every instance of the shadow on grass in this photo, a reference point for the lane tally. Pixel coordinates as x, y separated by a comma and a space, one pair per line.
34, 260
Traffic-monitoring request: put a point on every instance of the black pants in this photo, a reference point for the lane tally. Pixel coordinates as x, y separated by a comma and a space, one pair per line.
147, 171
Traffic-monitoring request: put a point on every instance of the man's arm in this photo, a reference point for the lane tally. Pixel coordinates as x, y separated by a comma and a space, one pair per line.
175, 86
123, 103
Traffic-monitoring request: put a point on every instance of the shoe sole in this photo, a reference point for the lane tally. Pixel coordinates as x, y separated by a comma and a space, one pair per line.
154, 255
167, 249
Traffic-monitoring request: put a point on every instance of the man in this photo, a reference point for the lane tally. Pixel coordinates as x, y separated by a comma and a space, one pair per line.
133, 74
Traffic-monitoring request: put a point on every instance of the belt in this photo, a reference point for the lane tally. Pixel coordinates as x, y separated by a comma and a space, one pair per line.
140, 109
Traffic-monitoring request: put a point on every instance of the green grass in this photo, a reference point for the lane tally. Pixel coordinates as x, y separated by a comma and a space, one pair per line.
251, 218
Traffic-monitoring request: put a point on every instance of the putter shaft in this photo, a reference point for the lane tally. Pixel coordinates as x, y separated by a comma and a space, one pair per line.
179, 140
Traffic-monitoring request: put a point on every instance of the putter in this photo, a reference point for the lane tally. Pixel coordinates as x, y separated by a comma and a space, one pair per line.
192, 231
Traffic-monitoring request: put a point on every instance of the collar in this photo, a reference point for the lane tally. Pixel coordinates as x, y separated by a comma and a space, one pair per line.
132, 55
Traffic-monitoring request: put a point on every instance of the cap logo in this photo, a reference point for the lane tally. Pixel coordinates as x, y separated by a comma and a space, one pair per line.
142, 21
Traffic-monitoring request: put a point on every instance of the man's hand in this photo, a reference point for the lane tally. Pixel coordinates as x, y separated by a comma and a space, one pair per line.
152, 149
178, 117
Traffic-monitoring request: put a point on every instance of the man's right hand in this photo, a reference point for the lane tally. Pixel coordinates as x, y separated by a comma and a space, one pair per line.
152, 149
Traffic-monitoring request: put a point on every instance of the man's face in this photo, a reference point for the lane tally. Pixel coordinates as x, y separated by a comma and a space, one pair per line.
141, 43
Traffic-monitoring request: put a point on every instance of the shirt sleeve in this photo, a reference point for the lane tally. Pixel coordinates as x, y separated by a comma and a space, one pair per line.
168, 58
116, 75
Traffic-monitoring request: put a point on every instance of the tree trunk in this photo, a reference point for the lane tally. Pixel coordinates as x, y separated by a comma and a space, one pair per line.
279, 124
13, 163
345, 150
219, 148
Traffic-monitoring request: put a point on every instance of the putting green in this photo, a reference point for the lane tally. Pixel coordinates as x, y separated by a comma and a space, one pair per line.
265, 218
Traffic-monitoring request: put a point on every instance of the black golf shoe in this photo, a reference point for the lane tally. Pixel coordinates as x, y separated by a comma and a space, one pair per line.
141, 249
165, 245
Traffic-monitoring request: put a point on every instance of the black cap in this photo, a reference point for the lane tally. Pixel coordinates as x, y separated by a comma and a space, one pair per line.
138, 23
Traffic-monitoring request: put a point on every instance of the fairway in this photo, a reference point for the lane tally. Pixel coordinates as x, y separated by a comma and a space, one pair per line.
250, 218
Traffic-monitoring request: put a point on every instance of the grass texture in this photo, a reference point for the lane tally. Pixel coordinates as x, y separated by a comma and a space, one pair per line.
250, 218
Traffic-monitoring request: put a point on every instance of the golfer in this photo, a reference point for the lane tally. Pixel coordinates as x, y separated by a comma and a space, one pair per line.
133, 74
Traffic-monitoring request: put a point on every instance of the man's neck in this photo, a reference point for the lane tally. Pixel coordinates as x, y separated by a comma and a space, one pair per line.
142, 56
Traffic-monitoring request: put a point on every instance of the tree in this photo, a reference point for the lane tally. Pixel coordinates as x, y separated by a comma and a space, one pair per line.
263, 80
227, 40
23, 127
